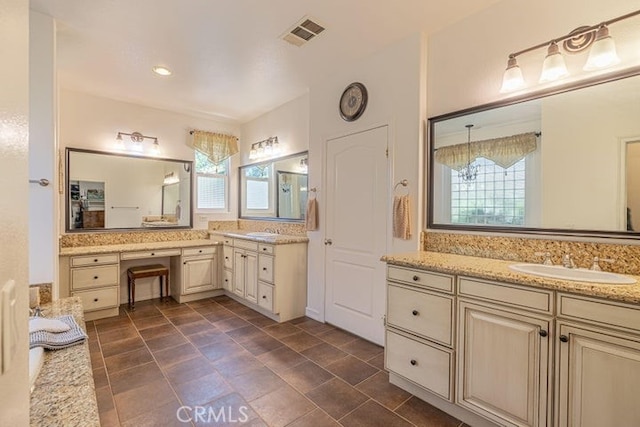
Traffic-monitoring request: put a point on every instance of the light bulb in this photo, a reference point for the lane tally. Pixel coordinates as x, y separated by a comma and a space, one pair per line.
512, 79
603, 52
553, 67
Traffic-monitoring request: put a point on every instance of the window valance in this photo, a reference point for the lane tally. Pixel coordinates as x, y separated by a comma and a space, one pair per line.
505, 151
216, 146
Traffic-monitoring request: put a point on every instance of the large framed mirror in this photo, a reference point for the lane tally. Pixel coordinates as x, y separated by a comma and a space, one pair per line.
567, 162
112, 191
275, 189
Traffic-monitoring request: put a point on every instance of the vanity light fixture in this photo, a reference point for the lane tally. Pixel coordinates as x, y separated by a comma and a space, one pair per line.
137, 138
470, 171
267, 148
601, 55
304, 165
162, 71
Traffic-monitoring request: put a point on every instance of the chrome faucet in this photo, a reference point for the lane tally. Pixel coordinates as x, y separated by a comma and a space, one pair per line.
547, 257
567, 261
596, 263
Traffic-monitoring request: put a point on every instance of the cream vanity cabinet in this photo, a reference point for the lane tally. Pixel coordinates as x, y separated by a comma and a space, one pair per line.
95, 279
270, 278
598, 363
194, 274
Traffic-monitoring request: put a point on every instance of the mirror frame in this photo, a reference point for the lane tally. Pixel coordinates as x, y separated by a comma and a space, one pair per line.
266, 218
69, 150
581, 84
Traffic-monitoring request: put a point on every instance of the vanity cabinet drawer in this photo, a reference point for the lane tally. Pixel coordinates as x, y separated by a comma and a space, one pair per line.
92, 277
207, 250
83, 261
245, 244
265, 296
265, 268
508, 294
440, 282
98, 299
421, 312
151, 254
227, 279
427, 365
265, 249
228, 257
607, 313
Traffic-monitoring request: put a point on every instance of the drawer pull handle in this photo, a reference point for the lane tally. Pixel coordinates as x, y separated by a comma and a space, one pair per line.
416, 278
95, 277
95, 300
95, 260
415, 312
543, 333
414, 362
564, 338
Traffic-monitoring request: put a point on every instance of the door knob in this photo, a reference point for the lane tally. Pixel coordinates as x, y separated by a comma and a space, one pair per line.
328, 242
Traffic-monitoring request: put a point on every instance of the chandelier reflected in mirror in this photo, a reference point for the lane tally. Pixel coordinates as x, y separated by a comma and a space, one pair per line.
470, 171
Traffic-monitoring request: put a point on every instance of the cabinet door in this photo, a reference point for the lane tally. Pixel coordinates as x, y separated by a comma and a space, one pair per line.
598, 377
502, 367
239, 268
251, 277
199, 275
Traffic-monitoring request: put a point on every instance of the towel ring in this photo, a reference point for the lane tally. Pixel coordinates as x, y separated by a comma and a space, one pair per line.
403, 183
313, 190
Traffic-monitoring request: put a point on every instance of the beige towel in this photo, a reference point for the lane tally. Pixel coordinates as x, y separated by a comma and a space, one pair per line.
312, 214
402, 217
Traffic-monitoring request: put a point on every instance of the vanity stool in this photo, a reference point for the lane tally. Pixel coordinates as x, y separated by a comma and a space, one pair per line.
155, 270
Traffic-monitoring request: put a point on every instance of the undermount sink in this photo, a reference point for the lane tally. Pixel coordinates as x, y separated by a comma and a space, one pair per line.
573, 274
261, 234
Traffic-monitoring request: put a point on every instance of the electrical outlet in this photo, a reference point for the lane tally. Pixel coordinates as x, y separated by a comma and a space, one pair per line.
9, 319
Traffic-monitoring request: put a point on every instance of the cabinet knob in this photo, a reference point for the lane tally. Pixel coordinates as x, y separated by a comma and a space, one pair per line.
226, 280
564, 338
264, 268
153, 253
95, 260
264, 297
264, 249
416, 278
200, 251
543, 333
415, 312
95, 300
185, 263
226, 257
95, 277
414, 362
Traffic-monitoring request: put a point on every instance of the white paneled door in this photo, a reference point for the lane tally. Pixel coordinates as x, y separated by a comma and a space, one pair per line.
356, 232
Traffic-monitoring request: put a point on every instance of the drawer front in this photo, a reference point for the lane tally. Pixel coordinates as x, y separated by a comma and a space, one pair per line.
227, 280
151, 254
98, 299
265, 296
440, 282
92, 277
265, 249
428, 314
265, 268
606, 313
206, 250
83, 261
512, 295
245, 244
424, 364
228, 257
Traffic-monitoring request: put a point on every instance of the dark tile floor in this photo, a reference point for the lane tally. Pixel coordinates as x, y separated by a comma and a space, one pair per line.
217, 362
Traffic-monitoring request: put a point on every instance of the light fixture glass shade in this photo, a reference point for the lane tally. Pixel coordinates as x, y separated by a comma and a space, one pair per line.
603, 51
253, 153
512, 79
553, 67
260, 151
155, 148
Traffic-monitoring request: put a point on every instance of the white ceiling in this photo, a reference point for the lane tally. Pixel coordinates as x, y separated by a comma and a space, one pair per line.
226, 55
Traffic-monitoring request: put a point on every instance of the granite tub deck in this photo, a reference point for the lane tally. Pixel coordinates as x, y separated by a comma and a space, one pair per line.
276, 239
132, 247
498, 270
64, 393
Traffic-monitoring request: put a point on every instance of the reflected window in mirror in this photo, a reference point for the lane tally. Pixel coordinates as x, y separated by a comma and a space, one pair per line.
259, 197
212, 184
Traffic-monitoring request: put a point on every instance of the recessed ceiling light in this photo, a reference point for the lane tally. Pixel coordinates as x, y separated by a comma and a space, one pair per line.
162, 71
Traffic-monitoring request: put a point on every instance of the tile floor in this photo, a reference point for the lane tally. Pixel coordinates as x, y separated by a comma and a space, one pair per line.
233, 366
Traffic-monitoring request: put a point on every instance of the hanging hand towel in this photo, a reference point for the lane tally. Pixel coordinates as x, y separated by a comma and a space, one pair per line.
402, 217
312, 214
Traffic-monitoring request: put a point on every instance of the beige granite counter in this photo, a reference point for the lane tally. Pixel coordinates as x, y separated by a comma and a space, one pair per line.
132, 247
493, 269
276, 239
64, 393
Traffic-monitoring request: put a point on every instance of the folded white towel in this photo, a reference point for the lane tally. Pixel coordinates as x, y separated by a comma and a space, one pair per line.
37, 324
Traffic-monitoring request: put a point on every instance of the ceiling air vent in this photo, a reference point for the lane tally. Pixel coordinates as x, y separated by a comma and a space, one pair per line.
302, 32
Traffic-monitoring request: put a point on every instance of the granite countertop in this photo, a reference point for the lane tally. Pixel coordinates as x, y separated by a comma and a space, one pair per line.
493, 269
132, 247
64, 393
276, 239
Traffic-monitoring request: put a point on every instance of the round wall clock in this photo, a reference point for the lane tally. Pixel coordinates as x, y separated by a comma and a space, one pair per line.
353, 101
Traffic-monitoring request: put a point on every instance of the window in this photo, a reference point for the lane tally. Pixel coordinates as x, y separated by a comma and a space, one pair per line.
495, 197
212, 183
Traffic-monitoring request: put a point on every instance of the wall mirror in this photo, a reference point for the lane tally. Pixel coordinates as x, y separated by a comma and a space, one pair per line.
107, 191
566, 162
275, 189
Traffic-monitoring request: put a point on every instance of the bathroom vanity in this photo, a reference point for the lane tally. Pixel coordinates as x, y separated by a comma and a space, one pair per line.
573, 348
